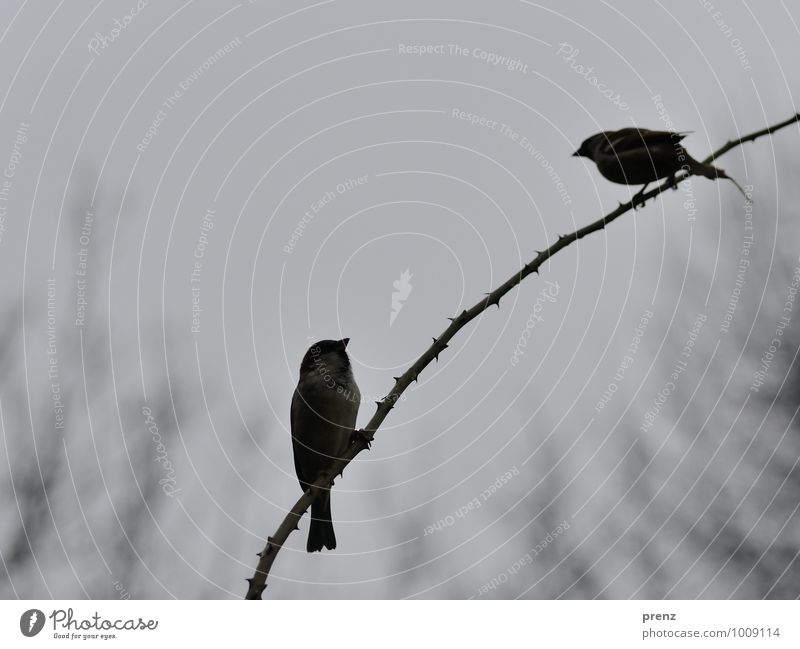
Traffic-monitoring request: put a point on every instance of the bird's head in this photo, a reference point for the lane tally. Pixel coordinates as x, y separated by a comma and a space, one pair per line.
326, 357
589, 146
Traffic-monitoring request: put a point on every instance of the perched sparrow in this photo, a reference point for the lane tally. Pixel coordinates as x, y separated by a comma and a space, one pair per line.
324, 409
638, 156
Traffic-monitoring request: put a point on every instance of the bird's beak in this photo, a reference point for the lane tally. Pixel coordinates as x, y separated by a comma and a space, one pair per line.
576, 154
344, 342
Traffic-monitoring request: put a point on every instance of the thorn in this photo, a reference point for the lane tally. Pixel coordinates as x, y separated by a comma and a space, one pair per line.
434, 341
464, 312
378, 403
414, 378
258, 554
396, 378
249, 580
451, 319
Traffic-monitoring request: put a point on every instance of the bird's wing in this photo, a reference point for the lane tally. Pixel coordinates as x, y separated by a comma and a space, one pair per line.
629, 139
297, 448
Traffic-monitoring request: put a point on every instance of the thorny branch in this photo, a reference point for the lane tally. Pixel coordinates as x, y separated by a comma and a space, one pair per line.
362, 439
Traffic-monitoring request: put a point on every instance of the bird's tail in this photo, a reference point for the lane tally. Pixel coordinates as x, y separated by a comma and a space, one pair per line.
710, 171
320, 534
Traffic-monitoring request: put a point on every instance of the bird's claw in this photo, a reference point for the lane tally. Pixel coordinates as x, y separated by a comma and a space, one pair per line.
360, 435
637, 200
673, 181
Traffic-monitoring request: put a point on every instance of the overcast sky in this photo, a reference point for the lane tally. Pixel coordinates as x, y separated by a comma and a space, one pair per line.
194, 192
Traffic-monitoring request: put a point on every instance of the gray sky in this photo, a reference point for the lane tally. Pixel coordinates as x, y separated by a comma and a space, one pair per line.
212, 186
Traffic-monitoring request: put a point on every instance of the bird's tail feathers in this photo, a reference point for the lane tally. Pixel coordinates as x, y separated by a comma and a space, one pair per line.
320, 533
712, 172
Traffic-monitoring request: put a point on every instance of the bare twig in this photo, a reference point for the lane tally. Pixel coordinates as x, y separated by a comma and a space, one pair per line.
730, 144
363, 438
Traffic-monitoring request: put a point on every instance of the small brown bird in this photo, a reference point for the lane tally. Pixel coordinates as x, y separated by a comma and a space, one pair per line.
639, 156
323, 416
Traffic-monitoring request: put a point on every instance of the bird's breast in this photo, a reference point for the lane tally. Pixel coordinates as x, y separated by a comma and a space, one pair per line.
334, 402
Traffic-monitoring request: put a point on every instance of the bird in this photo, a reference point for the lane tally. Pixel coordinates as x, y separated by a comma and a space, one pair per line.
640, 156
323, 417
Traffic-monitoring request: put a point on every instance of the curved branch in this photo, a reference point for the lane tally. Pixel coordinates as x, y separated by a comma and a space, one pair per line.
752, 137
362, 439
